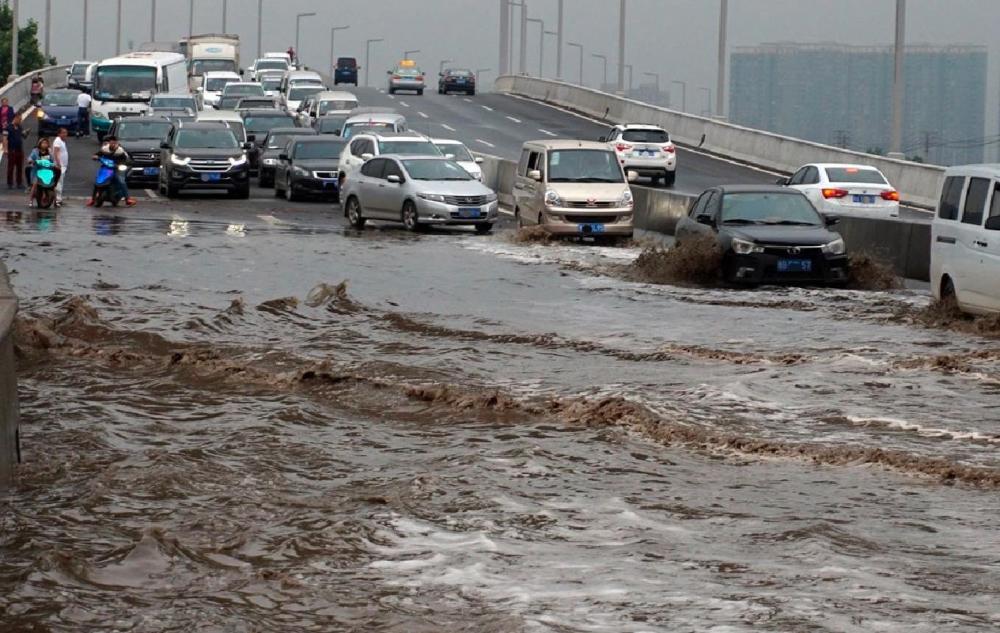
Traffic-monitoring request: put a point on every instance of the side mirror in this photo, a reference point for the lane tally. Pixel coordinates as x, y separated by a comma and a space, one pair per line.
241, 72
993, 223
479, 160
603, 139
782, 181
164, 145
632, 176
283, 156
367, 156
704, 218
831, 220
251, 137
535, 174
248, 145
393, 178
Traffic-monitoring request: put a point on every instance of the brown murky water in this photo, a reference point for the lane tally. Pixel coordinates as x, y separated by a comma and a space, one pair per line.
264, 426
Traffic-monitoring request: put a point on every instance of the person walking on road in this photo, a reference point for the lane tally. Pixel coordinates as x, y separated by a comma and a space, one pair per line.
61, 153
6, 116
111, 149
15, 134
83, 114
37, 89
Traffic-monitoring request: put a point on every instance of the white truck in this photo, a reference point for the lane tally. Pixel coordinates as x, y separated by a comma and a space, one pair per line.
211, 51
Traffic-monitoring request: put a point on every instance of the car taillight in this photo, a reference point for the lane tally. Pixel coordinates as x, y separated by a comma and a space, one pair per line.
892, 196
670, 149
834, 193
396, 77
420, 77
623, 147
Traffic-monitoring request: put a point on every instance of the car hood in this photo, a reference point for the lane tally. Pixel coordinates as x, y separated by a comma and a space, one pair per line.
208, 153
584, 191
789, 235
57, 111
318, 164
452, 187
142, 145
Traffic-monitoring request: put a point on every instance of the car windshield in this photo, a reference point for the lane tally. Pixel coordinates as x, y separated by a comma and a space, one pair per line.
202, 66
278, 141
270, 84
435, 170
411, 148
243, 90
584, 165
460, 152
125, 83
460, 73
274, 64
336, 104
79, 70
298, 93
330, 124
768, 208
645, 136
329, 150
855, 175
407, 72
132, 130
346, 62
257, 124
59, 98
215, 84
235, 126
177, 103
215, 138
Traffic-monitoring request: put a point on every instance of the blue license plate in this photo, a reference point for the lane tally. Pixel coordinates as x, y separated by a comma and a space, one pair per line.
151, 171
591, 228
329, 183
794, 265
211, 177
864, 199
469, 213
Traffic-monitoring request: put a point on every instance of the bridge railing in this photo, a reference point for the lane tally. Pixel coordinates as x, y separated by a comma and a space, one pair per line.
18, 92
918, 184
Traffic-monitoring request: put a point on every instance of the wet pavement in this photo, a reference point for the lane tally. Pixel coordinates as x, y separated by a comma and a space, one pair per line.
245, 416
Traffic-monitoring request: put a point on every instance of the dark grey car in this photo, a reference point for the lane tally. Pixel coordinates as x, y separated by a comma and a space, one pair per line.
309, 168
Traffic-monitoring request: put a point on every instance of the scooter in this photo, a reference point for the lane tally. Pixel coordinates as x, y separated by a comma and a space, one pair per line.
45, 182
104, 184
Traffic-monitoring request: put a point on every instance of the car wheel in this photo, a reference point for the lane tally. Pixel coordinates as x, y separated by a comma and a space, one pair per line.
669, 178
472, 93
484, 228
948, 295
263, 183
172, 190
278, 191
420, 93
290, 193
242, 193
410, 218
392, 91
354, 213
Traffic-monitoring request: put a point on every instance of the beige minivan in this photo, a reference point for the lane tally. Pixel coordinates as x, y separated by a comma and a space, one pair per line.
573, 188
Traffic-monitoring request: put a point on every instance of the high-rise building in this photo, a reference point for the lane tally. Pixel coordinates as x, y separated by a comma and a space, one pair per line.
842, 95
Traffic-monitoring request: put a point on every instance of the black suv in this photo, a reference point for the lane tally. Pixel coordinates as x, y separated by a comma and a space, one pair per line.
346, 71
141, 138
204, 156
457, 80
258, 122
309, 167
274, 147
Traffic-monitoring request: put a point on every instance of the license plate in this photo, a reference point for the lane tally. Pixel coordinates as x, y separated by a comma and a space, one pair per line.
469, 213
329, 183
211, 177
151, 171
794, 265
864, 199
591, 228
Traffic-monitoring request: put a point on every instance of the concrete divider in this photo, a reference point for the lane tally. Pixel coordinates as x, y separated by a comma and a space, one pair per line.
18, 92
9, 412
918, 184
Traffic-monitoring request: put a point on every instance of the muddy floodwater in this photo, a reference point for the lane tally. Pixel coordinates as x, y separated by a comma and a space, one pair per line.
287, 425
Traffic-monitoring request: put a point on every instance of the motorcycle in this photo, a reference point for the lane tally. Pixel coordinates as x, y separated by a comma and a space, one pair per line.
45, 182
104, 184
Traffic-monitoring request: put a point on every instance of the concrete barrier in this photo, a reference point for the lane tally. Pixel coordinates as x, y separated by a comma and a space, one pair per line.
18, 92
9, 412
918, 184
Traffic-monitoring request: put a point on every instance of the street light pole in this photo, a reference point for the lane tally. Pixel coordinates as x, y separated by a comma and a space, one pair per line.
152, 22
559, 42
896, 141
86, 14
118, 30
720, 88
580, 46
225, 10
523, 62
541, 43
504, 36
260, 23
333, 32
621, 47
368, 54
298, 23
603, 58
48, 28
628, 86
684, 96
441, 65
406, 54
190, 25
656, 78
708, 100
13, 39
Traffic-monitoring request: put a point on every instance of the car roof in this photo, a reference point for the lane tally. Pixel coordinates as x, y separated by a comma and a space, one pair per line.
375, 117
61, 90
416, 157
265, 112
196, 125
984, 170
215, 74
318, 138
301, 73
173, 95
396, 136
219, 115
244, 83
843, 166
639, 126
446, 141
335, 94
305, 131
756, 189
568, 144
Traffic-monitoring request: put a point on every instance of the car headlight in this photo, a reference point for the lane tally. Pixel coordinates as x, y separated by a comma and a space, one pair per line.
552, 198
433, 197
236, 161
626, 199
298, 171
745, 247
100, 115
491, 197
179, 160
270, 161
836, 247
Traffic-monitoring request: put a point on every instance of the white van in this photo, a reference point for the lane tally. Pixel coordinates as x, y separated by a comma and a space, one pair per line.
965, 239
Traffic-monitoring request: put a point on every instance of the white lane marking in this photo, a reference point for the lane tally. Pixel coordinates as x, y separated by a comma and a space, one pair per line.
547, 132
393, 97
270, 219
151, 194
447, 127
404, 104
422, 114
514, 120
467, 99
486, 143
486, 107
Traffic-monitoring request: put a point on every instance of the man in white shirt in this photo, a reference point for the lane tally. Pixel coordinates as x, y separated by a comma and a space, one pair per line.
83, 114
61, 154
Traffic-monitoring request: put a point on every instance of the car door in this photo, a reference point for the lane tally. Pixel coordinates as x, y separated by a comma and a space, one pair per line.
991, 251
811, 185
971, 243
370, 188
352, 158
392, 194
688, 226
532, 192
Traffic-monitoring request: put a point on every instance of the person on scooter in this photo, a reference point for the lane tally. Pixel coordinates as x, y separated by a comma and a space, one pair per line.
112, 150
42, 150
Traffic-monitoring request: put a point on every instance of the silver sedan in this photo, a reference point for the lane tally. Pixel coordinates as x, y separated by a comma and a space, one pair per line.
418, 191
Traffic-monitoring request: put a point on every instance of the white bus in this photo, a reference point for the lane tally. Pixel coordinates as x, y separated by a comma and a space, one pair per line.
123, 85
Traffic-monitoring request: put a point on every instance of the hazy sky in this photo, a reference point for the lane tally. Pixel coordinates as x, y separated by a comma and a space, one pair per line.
676, 38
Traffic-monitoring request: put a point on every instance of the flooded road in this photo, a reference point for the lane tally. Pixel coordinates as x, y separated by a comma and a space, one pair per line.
260, 422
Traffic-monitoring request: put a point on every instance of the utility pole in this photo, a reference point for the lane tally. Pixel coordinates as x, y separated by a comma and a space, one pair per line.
522, 66
118, 30
603, 58
333, 32
720, 88
13, 40
559, 42
708, 102
190, 24
260, 21
152, 23
541, 43
684, 96
225, 10
580, 46
48, 28
368, 54
86, 14
896, 142
504, 65
621, 48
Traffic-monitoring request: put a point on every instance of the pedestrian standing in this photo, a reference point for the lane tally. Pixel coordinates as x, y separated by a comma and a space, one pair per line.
15, 153
61, 153
37, 89
83, 114
6, 116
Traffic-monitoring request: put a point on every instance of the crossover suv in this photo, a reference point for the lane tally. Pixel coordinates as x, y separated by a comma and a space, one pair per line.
645, 149
364, 146
141, 137
204, 156
346, 71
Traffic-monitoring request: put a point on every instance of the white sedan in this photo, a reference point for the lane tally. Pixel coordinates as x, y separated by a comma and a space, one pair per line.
843, 189
458, 152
